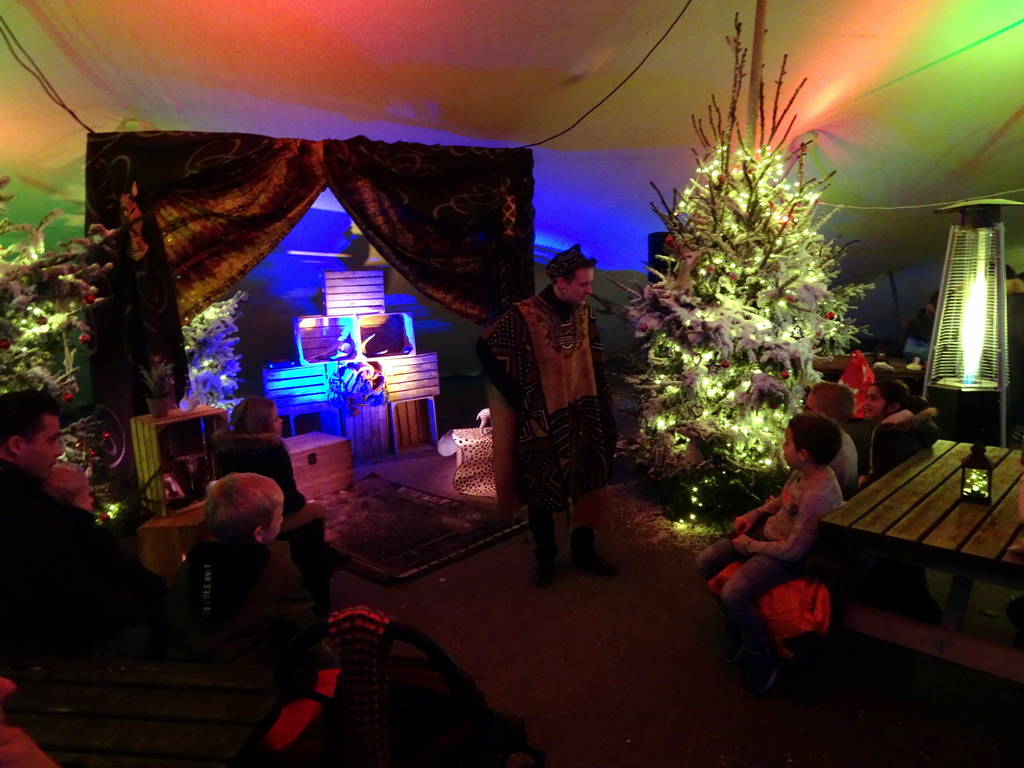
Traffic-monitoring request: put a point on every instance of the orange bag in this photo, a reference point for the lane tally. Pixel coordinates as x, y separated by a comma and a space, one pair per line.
789, 610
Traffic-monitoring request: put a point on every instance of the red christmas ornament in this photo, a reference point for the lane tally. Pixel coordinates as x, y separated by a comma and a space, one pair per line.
726, 363
85, 338
830, 315
5, 343
669, 241
644, 329
784, 374
67, 397
104, 518
721, 178
711, 267
89, 298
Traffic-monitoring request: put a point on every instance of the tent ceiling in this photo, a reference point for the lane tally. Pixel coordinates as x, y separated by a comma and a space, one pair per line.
912, 103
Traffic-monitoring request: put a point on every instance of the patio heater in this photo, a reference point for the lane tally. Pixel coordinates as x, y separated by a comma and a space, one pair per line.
967, 372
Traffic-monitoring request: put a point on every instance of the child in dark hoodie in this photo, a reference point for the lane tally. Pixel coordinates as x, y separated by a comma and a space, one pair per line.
253, 444
238, 599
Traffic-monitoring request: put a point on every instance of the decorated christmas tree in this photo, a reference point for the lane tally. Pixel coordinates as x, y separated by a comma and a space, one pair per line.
213, 365
732, 320
43, 297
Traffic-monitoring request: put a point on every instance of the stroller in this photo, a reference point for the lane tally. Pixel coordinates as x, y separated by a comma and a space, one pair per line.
405, 710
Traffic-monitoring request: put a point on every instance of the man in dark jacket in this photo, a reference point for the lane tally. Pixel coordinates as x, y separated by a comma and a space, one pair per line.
54, 600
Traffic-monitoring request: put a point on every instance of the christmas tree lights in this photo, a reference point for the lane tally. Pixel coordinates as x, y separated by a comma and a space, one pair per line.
213, 365
736, 312
43, 297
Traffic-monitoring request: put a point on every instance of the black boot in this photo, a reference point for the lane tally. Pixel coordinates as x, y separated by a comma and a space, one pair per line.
543, 571
734, 648
764, 667
585, 556
542, 526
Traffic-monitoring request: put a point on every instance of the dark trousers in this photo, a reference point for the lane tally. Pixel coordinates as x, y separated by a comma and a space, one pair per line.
542, 526
309, 553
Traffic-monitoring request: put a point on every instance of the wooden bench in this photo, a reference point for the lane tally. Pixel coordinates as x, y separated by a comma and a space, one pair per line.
99, 714
914, 514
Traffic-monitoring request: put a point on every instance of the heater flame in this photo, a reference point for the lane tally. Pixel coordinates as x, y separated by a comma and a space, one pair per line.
972, 339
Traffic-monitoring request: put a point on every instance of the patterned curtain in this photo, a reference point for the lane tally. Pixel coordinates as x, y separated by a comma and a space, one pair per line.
457, 222
205, 208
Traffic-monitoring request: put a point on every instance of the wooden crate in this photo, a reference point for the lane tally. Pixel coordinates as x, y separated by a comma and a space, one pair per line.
322, 463
164, 541
368, 431
319, 338
411, 377
298, 390
174, 456
412, 383
354, 292
296, 384
386, 335
413, 422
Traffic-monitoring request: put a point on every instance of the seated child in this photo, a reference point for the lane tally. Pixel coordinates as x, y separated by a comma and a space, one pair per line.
837, 402
136, 592
238, 599
772, 540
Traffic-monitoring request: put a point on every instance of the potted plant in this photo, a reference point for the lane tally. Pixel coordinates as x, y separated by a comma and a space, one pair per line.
159, 381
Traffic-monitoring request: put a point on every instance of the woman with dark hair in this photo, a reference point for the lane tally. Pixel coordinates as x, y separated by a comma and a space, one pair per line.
903, 426
254, 444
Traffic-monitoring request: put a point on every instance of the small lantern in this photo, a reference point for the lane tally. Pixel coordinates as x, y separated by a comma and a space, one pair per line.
976, 476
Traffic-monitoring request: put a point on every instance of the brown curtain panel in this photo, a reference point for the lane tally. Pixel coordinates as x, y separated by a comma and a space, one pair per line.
203, 209
457, 222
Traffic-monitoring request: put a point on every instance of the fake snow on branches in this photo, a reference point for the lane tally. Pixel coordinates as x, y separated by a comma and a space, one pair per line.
738, 309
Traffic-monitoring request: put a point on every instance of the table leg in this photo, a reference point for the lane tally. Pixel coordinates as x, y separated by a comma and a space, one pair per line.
956, 602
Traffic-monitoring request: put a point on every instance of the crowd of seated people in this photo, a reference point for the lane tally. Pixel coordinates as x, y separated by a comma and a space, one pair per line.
898, 425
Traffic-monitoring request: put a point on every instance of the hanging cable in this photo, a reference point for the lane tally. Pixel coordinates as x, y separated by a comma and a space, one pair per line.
612, 92
26, 62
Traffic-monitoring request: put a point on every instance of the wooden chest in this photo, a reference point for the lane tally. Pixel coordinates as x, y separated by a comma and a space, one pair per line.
322, 463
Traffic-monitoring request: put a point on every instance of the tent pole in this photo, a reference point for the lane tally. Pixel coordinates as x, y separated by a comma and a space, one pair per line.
756, 55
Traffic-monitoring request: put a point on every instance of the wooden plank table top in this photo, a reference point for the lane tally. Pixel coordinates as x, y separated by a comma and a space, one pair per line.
98, 714
914, 514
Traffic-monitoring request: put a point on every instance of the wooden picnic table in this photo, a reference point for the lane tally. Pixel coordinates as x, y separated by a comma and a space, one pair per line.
914, 514
96, 714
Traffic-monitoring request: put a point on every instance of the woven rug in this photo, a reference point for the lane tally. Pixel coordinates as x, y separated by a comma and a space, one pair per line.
388, 532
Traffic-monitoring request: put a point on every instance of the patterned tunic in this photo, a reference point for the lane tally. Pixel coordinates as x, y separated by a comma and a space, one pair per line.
545, 358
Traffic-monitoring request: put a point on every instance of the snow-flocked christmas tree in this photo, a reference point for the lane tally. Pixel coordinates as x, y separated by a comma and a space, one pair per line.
732, 321
43, 297
213, 364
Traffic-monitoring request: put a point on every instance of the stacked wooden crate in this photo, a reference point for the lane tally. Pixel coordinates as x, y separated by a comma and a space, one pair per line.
356, 327
299, 390
387, 340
